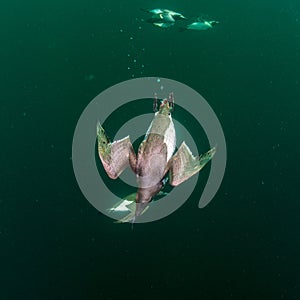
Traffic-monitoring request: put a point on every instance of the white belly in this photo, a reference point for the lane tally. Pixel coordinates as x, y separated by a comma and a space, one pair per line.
170, 139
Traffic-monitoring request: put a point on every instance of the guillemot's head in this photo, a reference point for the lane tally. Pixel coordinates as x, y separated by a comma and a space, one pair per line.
165, 108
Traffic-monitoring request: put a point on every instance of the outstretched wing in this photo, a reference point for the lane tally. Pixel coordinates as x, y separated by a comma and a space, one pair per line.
184, 165
116, 156
163, 25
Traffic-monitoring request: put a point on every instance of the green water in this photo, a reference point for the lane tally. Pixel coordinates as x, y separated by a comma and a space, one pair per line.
55, 57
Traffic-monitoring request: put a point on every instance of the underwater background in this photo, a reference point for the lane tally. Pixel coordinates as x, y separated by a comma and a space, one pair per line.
55, 57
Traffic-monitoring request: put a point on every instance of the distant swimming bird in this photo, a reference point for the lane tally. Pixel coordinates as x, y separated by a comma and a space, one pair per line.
201, 24
163, 18
166, 14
